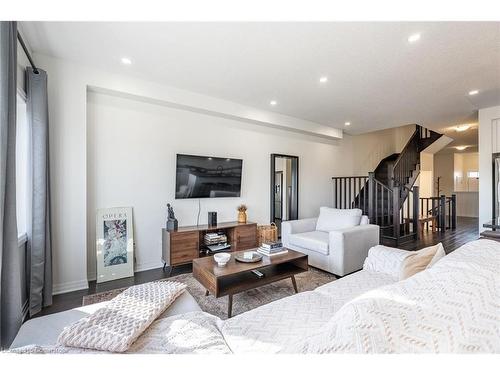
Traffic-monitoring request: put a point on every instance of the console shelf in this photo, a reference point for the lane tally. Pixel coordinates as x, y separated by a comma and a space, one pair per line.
182, 245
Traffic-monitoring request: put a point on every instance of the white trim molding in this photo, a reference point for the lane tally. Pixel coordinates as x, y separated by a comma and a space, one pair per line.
70, 287
198, 103
148, 266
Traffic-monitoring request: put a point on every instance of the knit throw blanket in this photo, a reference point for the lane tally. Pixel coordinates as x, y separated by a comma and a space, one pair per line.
115, 327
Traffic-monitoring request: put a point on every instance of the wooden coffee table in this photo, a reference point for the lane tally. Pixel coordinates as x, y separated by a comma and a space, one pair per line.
237, 277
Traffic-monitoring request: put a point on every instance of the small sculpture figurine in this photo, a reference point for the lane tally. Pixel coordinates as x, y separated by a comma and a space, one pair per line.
172, 223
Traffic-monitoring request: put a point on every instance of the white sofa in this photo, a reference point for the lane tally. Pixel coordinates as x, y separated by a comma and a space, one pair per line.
451, 307
337, 241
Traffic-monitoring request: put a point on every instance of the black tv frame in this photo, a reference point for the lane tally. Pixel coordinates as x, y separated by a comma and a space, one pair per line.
206, 157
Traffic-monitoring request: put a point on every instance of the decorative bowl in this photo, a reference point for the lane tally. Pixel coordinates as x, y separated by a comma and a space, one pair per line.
222, 259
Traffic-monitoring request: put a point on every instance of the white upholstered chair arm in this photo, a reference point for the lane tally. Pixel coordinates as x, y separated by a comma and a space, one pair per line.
296, 226
349, 247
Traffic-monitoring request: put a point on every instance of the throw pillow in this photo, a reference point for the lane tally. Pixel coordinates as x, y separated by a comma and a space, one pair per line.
419, 261
385, 259
440, 253
334, 219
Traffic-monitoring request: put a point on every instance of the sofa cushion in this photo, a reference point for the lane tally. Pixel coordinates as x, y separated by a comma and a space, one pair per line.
420, 260
451, 307
331, 219
315, 241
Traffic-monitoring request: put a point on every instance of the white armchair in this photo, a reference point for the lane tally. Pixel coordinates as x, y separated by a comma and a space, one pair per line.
338, 241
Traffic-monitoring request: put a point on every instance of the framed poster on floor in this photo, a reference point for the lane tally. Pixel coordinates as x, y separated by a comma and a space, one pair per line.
114, 243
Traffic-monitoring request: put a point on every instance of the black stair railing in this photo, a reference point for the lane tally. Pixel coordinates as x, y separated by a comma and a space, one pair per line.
408, 160
443, 208
394, 205
349, 192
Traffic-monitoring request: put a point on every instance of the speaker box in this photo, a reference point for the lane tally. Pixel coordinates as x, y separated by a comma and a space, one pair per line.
212, 219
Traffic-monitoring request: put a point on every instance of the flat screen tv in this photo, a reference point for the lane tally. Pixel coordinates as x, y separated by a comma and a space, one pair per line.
207, 177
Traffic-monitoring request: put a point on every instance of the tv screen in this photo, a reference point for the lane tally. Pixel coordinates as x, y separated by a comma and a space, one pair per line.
207, 177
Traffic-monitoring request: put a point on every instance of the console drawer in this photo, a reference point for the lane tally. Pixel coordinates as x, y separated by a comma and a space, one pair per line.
246, 237
184, 247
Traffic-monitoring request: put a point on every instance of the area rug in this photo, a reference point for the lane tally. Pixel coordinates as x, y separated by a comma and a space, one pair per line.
242, 301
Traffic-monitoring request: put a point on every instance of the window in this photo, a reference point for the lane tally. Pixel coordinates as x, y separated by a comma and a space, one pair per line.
22, 166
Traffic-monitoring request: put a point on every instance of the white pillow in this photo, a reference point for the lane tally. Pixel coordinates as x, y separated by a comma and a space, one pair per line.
334, 219
385, 259
421, 260
401, 264
440, 253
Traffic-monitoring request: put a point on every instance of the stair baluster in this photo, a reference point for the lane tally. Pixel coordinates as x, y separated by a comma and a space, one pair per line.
384, 194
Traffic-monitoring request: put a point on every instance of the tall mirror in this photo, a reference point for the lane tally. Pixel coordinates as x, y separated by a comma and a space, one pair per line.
284, 189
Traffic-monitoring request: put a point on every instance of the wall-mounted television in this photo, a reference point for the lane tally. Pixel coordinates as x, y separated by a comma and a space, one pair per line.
207, 177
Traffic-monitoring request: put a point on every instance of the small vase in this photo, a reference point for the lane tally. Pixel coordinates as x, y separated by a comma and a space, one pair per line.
242, 217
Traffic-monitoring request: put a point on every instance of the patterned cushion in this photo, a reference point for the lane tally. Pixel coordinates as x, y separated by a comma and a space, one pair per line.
115, 327
273, 327
452, 307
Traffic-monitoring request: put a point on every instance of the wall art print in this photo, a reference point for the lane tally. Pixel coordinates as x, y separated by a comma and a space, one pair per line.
114, 243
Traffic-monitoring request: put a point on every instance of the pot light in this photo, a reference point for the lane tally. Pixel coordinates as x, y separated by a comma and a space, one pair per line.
126, 61
413, 38
347, 123
473, 92
462, 128
323, 79
273, 102
461, 148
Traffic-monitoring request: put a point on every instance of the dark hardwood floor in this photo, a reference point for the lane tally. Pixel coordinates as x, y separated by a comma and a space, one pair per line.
467, 230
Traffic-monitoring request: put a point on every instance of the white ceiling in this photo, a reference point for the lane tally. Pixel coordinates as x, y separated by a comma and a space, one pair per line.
376, 78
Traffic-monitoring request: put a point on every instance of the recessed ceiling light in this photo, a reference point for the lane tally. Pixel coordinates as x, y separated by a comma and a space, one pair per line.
413, 38
323, 79
126, 61
473, 92
347, 123
273, 102
462, 128
461, 148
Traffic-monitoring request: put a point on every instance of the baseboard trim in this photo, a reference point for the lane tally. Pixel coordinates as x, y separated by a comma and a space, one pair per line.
70, 287
148, 266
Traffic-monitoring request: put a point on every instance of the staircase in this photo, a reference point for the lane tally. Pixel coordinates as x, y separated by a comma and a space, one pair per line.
388, 195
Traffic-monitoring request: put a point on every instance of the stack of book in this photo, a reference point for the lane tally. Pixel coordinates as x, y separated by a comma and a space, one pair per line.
216, 242
272, 248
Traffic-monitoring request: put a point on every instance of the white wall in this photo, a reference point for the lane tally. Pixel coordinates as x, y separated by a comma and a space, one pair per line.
131, 150
443, 167
426, 177
489, 142
464, 163
367, 150
156, 119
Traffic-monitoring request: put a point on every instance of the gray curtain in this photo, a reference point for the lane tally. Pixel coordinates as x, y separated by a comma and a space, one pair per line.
39, 241
10, 257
